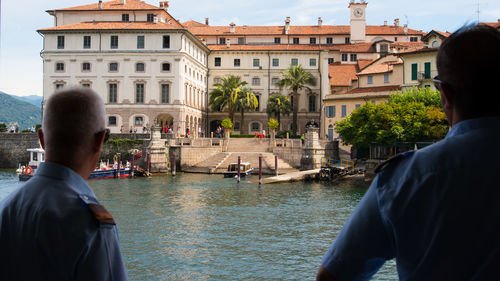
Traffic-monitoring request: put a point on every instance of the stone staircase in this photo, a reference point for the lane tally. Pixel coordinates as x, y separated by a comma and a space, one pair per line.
249, 151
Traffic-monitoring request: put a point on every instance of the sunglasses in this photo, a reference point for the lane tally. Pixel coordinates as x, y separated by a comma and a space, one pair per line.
106, 134
438, 82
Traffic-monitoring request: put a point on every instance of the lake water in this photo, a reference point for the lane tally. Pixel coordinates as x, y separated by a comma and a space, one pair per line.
206, 227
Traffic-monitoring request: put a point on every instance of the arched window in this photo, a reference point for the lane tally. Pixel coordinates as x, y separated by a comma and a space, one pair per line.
236, 125
330, 132
255, 126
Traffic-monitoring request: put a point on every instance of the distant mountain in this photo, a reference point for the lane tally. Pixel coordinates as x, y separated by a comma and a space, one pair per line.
14, 110
33, 99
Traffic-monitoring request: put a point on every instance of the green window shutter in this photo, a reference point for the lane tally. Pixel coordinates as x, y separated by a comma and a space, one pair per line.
414, 69
427, 70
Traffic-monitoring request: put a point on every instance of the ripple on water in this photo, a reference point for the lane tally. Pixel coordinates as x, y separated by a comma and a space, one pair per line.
205, 227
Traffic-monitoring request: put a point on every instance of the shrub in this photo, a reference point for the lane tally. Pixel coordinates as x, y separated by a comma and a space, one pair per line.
227, 123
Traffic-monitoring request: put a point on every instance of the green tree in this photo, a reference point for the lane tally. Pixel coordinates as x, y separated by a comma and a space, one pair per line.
278, 104
273, 124
295, 79
225, 93
3, 127
227, 123
414, 115
245, 100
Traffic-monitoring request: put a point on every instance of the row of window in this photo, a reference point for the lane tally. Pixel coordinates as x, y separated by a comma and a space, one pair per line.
113, 67
87, 42
149, 17
138, 121
330, 111
353, 57
369, 78
256, 62
295, 40
139, 93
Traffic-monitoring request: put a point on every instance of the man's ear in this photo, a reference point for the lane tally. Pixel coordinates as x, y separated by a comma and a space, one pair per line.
448, 104
41, 137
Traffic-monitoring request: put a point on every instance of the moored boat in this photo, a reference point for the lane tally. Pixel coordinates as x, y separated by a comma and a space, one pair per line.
232, 170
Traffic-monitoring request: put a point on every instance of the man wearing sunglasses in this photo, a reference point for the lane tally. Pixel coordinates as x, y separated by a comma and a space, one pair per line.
53, 227
436, 211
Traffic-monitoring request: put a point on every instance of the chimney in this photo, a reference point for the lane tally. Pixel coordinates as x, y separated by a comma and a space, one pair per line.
320, 22
164, 5
124, 2
385, 23
232, 27
396, 22
287, 25
99, 6
228, 42
406, 28
206, 21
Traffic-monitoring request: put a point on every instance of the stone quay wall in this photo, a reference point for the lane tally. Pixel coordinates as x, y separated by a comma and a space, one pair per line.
13, 149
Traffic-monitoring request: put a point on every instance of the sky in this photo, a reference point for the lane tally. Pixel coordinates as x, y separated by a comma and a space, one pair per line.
20, 45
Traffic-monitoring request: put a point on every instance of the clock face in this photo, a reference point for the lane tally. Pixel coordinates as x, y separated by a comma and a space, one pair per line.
358, 12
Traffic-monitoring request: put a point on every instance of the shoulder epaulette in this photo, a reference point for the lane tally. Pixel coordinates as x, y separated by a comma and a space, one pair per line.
392, 160
101, 214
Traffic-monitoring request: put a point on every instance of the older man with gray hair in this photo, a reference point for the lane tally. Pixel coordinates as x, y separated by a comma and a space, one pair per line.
53, 227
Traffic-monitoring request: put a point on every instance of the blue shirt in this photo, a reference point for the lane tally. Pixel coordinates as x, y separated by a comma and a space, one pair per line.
47, 231
435, 210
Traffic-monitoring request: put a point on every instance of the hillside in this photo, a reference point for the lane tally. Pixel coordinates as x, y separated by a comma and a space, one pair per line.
14, 110
33, 99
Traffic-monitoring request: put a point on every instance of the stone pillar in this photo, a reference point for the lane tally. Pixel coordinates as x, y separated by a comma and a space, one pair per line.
312, 152
159, 152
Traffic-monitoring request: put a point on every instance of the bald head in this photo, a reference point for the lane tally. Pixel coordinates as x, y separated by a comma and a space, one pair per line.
468, 62
71, 118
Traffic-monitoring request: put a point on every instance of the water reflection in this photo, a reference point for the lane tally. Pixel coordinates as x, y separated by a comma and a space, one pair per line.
200, 227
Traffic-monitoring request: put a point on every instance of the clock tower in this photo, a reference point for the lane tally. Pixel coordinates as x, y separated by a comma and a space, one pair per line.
358, 21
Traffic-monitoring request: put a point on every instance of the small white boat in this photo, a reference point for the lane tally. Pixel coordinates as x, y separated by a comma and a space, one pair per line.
37, 156
232, 170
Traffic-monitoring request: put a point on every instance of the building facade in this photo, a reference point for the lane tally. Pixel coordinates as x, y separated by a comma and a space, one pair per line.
149, 67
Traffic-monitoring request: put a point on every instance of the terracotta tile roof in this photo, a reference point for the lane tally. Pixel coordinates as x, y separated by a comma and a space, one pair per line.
493, 24
297, 30
193, 23
239, 30
362, 63
342, 74
374, 89
444, 34
114, 26
114, 5
390, 30
352, 48
421, 50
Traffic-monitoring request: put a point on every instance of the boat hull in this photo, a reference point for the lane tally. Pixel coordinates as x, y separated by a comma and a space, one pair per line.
109, 174
233, 174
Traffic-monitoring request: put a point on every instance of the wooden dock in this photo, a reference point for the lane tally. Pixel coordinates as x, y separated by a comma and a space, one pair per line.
295, 176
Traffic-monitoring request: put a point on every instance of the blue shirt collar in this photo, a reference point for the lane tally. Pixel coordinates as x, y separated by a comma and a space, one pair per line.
474, 124
67, 175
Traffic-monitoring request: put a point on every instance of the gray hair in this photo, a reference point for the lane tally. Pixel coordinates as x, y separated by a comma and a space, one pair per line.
71, 118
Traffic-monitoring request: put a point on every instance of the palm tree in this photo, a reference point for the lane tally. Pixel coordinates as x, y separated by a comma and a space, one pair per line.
225, 93
278, 104
245, 100
295, 79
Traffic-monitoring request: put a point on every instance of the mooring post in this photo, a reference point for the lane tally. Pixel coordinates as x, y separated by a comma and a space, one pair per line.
132, 166
239, 163
276, 165
148, 162
260, 169
119, 164
174, 164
